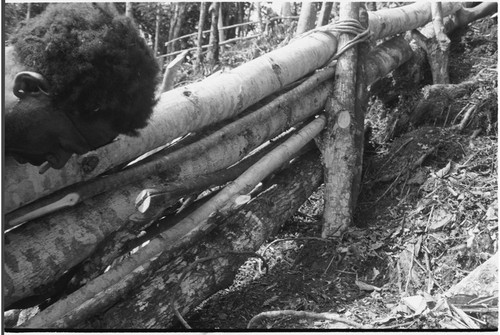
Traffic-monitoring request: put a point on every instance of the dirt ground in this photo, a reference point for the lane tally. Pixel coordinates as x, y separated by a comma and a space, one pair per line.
436, 221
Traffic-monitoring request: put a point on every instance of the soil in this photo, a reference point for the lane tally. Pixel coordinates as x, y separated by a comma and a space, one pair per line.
435, 219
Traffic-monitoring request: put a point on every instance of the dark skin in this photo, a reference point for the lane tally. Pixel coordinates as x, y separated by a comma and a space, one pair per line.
36, 132
76, 77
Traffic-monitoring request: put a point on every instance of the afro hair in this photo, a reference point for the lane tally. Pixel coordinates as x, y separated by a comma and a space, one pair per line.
95, 61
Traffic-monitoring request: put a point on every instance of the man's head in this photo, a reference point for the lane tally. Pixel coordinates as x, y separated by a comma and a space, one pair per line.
76, 77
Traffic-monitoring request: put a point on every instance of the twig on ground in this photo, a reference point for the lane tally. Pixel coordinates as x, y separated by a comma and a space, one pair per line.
398, 326
430, 278
419, 161
400, 287
390, 187
466, 118
302, 314
294, 239
394, 154
410, 269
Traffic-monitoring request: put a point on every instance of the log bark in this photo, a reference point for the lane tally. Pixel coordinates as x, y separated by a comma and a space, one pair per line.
386, 57
100, 216
187, 109
338, 141
150, 303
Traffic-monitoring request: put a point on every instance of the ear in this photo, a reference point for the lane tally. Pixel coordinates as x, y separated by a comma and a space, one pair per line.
29, 83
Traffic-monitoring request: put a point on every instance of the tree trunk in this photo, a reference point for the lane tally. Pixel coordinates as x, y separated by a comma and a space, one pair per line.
286, 11
179, 13
259, 17
220, 22
241, 31
157, 29
201, 24
28, 11
338, 142
204, 103
214, 35
324, 14
129, 10
307, 17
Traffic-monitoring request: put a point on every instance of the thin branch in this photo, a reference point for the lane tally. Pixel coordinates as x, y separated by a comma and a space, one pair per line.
302, 314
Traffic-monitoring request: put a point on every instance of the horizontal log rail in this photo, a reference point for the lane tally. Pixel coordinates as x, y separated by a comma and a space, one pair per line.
216, 98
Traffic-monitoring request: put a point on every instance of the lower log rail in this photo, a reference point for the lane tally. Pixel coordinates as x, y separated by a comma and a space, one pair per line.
244, 229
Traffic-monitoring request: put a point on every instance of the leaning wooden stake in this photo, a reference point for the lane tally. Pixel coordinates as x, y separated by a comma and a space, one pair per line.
338, 147
169, 76
360, 107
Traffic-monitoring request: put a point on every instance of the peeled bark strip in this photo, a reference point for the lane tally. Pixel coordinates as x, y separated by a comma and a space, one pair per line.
245, 230
338, 141
187, 109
